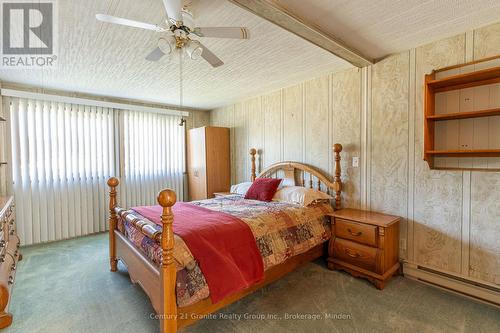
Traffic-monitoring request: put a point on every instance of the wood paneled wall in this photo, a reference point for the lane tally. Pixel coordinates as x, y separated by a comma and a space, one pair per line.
197, 119
484, 222
299, 123
451, 219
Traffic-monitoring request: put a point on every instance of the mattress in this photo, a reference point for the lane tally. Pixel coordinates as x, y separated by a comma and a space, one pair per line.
281, 230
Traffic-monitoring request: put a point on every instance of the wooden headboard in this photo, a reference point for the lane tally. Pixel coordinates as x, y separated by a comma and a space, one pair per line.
305, 175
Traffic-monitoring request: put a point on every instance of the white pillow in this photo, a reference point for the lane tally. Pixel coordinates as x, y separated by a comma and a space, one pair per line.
241, 188
286, 182
300, 195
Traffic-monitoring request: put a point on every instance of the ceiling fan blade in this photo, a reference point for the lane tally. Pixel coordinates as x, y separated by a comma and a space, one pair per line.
129, 23
155, 55
211, 58
173, 8
223, 32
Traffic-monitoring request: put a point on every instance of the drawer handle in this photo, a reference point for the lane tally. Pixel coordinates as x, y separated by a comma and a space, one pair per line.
11, 280
2, 243
352, 255
359, 233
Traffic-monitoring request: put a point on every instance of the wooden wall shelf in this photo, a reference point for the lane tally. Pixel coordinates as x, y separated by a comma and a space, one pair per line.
467, 80
465, 153
450, 135
465, 115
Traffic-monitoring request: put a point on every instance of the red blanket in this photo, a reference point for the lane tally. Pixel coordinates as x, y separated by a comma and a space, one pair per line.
223, 245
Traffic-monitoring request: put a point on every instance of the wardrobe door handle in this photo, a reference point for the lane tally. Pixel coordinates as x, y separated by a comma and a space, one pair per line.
359, 233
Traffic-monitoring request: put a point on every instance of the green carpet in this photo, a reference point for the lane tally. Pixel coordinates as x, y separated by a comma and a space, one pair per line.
67, 287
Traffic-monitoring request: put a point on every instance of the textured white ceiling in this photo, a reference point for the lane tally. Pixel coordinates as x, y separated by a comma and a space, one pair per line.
98, 58
381, 27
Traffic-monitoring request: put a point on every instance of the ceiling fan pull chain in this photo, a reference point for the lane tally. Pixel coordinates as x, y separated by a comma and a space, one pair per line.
180, 79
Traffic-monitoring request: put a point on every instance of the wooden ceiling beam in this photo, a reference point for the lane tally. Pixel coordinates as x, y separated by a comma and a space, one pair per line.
274, 13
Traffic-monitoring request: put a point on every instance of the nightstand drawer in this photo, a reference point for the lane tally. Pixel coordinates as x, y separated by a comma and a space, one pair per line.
361, 233
355, 254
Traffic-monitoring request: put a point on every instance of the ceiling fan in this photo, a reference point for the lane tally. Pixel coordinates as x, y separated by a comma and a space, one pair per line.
177, 32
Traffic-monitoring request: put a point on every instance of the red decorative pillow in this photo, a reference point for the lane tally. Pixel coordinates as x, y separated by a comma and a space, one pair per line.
263, 189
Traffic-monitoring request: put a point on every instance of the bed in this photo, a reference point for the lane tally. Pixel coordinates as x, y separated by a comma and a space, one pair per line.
287, 235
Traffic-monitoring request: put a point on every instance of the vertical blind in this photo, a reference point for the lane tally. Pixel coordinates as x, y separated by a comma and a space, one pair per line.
63, 154
152, 156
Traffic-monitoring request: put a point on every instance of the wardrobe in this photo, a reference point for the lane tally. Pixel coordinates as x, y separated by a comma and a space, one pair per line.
208, 162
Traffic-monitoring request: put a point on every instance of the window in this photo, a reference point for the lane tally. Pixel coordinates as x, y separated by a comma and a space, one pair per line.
63, 154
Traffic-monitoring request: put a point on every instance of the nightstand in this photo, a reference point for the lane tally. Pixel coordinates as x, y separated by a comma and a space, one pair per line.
365, 244
221, 194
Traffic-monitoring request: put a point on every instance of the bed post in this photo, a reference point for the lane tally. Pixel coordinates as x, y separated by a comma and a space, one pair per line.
168, 315
253, 151
112, 183
337, 148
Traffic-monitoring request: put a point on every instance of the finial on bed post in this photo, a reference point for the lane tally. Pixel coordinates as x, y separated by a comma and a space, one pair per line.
337, 148
253, 151
112, 183
168, 315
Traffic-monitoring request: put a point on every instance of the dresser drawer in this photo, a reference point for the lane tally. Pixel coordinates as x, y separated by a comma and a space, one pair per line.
356, 254
360, 233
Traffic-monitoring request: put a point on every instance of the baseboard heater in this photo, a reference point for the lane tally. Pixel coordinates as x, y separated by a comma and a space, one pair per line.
468, 287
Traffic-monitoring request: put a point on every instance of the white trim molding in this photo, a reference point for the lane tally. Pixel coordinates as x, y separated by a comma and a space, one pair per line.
366, 105
410, 219
88, 101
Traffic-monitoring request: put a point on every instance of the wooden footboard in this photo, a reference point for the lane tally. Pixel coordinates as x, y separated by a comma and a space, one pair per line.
142, 270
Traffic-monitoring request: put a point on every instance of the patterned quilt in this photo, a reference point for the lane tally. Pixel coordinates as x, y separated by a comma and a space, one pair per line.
282, 230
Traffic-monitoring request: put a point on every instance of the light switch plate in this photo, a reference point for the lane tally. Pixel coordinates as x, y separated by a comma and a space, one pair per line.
355, 162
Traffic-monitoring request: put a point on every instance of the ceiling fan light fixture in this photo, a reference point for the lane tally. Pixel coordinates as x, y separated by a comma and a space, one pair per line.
176, 36
193, 49
166, 44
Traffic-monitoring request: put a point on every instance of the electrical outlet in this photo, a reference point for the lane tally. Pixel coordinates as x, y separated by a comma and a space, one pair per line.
355, 162
402, 244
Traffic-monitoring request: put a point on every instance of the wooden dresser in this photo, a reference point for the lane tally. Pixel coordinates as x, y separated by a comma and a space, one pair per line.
365, 244
9, 256
209, 167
